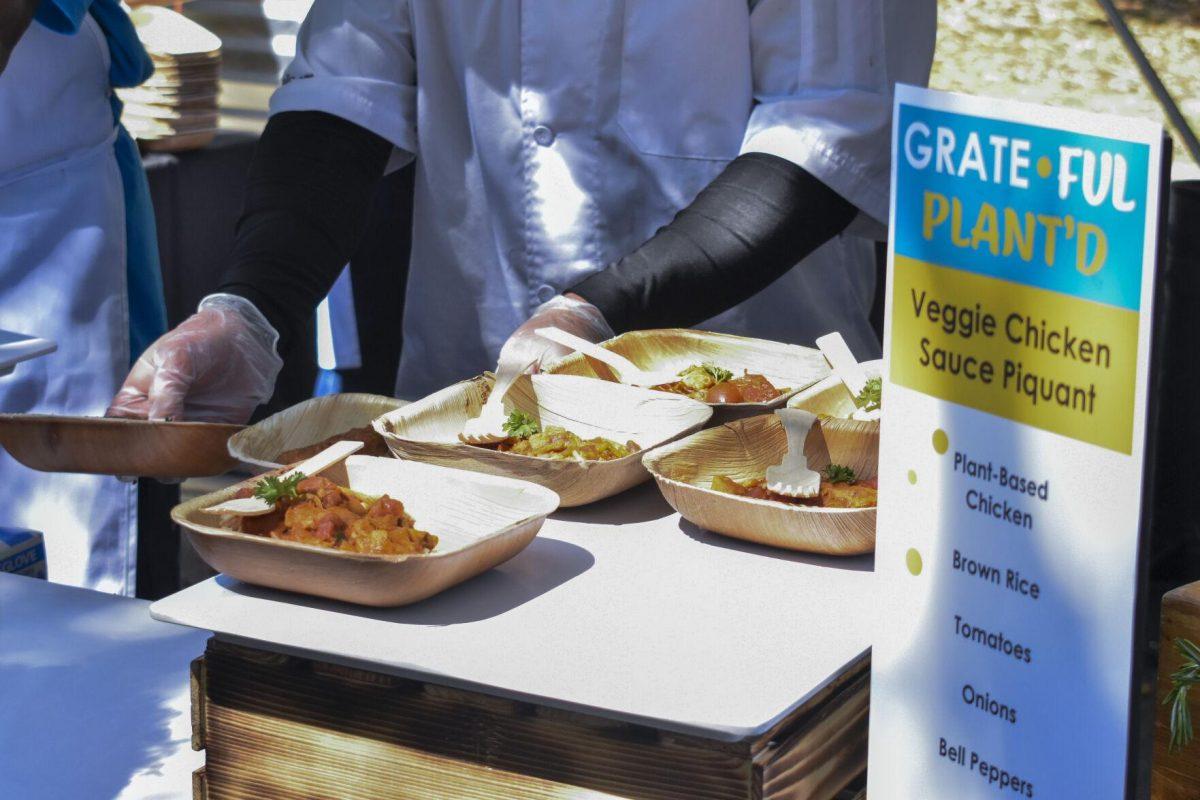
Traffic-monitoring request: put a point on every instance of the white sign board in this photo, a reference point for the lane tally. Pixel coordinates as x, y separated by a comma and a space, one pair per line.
1020, 275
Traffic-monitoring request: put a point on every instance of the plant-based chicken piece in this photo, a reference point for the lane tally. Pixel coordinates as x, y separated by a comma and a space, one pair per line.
528, 438
839, 489
316, 511
712, 384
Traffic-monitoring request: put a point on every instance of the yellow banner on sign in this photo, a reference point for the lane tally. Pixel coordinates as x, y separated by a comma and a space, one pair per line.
1033, 356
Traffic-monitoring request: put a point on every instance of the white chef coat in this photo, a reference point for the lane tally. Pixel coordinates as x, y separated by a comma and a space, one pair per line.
554, 137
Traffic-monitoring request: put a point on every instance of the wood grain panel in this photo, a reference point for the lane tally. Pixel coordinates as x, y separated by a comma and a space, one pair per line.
1175, 776
286, 727
196, 697
825, 753
339, 726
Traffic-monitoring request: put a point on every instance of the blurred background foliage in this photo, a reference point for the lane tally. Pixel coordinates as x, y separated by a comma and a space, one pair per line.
1063, 52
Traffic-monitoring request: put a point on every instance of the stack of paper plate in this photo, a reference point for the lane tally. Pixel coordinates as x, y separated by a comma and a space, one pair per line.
176, 109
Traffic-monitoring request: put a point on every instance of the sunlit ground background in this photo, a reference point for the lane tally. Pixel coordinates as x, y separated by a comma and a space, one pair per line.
1060, 52
1063, 52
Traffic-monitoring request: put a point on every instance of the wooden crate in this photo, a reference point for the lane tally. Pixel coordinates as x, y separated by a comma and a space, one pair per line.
291, 728
1175, 776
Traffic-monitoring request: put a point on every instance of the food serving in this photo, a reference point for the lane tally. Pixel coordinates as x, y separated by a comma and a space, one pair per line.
833, 398
480, 521
316, 511
527, 438
430, 429
710, 383
717, 480
840, 488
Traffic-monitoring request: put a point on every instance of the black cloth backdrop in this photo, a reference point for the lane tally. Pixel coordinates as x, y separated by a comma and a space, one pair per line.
1175, 531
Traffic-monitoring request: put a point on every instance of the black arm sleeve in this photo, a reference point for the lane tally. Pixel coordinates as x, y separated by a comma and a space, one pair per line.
748, 227
307, 195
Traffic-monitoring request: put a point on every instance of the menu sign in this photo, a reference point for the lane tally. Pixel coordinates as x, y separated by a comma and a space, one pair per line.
1020, 275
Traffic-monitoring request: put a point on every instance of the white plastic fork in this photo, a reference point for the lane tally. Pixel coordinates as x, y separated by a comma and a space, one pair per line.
256, 506
626, 371
844, 365
488, 427
792, 477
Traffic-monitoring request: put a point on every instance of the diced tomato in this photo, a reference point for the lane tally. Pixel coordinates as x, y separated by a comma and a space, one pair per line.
756, 388
329, 527
387, 507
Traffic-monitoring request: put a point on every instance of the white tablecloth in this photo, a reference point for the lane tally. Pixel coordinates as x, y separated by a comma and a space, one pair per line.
93, 696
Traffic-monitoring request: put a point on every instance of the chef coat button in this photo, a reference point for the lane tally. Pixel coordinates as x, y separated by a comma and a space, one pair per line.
543, 135
545, 292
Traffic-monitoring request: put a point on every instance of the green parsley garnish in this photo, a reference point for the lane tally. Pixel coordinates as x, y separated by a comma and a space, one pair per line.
836, 473
520, 425
273, 489
718, 374
870, 397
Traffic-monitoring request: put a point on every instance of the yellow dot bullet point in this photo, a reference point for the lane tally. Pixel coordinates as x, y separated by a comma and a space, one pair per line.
941, 442
912, 560
1044, 166
912, 477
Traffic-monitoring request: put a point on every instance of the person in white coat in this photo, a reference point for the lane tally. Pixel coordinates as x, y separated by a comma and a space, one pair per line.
78, 263
552, 141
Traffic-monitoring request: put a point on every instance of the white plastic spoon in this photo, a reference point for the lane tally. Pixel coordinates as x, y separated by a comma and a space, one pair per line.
792, 477
844, 365
488, 427
256, 506
627, 372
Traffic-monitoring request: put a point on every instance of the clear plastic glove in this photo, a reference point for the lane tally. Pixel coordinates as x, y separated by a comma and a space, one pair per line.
570, 313
218, 366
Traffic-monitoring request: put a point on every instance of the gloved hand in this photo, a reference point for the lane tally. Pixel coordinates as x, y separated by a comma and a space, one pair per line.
570, 313
217, 366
